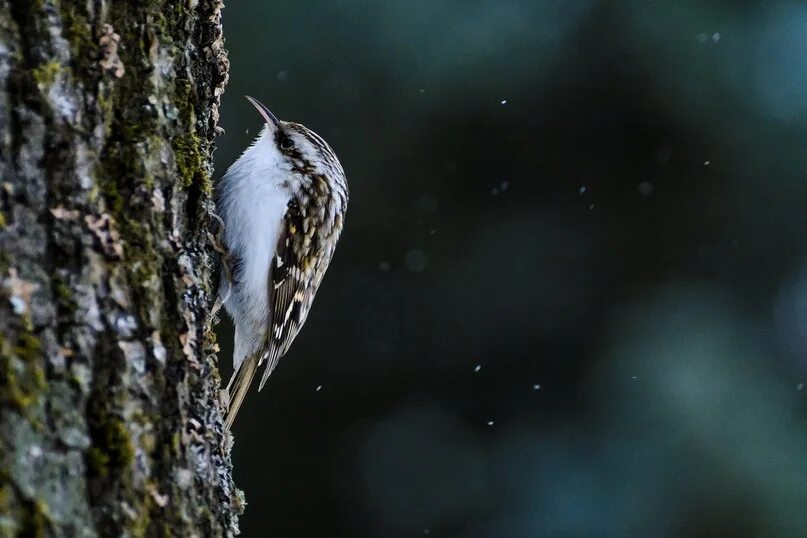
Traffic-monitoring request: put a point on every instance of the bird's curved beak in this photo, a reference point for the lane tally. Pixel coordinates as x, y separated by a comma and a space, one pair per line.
270, 118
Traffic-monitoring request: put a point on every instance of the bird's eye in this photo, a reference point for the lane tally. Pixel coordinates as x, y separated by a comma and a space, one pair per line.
286, 143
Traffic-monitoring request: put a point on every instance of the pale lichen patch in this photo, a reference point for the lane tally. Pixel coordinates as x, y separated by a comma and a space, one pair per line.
103, 226
110, 61
19, 292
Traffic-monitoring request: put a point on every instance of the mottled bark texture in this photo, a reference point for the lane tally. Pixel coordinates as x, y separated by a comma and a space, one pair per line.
109, 415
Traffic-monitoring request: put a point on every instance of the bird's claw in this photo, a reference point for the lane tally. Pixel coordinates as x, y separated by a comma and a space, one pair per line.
215, 241
224, 400
215, 238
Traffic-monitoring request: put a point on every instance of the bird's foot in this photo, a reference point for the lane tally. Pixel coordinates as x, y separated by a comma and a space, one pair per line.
224, 400
214, 239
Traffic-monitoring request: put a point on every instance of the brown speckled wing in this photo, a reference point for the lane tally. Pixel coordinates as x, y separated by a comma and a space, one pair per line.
288, 291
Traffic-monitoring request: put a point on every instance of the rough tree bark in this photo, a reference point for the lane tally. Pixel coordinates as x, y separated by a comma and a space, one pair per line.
109, 415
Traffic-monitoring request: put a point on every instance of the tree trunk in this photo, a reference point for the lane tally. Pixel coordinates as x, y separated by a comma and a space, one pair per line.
109, 416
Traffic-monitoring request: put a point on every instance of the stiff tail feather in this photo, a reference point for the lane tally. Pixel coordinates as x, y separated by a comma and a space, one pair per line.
238, 387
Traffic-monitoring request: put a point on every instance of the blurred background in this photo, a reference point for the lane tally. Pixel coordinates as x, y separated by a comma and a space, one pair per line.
571, 294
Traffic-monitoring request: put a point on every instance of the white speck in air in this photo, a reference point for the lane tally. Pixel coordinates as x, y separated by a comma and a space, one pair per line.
800, 386
591, 206
505, 185
707, 163
504, 101
491, 423
583, 189
319, 388
716, 37
421, 91
536, 387
432, 231
477, 368
635, 377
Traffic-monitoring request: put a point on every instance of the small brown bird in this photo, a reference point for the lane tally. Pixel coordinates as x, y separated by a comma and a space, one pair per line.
283, 205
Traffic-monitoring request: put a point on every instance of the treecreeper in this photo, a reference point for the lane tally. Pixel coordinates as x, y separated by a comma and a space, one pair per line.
282, 205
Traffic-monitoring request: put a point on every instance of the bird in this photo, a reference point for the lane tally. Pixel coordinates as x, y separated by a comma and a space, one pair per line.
282, 204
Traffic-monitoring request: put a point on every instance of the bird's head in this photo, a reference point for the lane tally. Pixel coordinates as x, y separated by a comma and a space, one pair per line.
295, 147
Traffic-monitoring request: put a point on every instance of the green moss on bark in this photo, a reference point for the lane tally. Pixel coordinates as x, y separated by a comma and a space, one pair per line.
112, 450
190, 161
45, 75
22, 378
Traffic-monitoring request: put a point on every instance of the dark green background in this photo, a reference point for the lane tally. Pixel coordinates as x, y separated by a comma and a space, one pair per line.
602, 204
